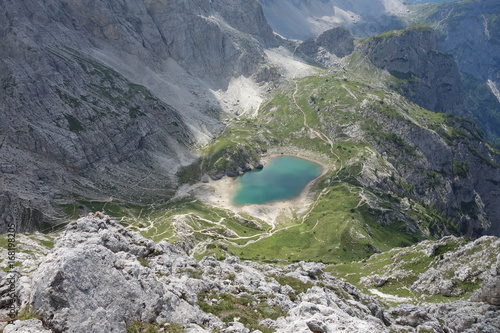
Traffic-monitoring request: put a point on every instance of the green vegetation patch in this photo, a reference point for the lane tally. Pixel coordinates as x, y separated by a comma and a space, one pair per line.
339, 228
419, 27
74, 124
249, 310
142, 327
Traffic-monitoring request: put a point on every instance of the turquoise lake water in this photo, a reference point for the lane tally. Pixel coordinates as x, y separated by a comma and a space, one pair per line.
283, 178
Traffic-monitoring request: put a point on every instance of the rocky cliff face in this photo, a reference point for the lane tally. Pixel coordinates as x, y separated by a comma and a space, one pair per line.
110, 104
300, 19
326, 48
101, 277
469, 31
425, 74
457, 171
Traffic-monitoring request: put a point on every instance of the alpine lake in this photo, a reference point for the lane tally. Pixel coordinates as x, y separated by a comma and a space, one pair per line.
283, 178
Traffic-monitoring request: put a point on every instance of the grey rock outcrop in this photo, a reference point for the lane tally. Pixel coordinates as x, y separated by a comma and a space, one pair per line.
490, 288
427, 76
334, 43
469, 31
97, 283
456, 171
19, 213
444, 268
460, 316
26, 326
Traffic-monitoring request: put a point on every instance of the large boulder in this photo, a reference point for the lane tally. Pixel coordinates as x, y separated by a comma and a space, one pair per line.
490, 288
97, 280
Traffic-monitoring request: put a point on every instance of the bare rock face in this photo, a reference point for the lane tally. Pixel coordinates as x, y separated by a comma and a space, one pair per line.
459, 316
469, 31
490, 288
19, 215
427, 76
26, 326
490, 291
101, 278
110, 104
337, 42
94, 282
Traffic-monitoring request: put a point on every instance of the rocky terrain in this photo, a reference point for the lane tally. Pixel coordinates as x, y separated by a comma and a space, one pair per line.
326, 48
380, 140
101, 277
469, 31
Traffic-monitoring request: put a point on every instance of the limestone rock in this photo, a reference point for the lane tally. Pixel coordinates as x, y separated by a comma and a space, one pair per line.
489, 292
328, 46
26, 326
100, 277
430, 77
97, 284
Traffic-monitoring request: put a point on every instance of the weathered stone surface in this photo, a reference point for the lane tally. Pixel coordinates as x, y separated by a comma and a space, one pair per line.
100, 277
490, 288
431, 76
328, 47
26, 326
468, 197
97, 283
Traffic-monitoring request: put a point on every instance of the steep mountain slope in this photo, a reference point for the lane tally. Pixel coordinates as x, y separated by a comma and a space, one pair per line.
109, 105
469, 31
300, 19
395, 174
103, 111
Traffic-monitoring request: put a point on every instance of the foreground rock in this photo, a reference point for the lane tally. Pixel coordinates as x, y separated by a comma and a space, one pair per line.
102, 278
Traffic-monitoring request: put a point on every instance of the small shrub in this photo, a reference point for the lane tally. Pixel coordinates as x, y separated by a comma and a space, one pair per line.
143, 262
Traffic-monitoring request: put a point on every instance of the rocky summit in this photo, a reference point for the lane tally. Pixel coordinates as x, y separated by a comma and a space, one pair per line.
100, 277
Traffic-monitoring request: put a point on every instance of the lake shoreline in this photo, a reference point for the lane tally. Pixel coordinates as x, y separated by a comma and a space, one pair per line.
263, 188
218, 193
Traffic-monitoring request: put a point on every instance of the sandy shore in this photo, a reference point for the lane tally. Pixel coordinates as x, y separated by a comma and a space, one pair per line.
219, 193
